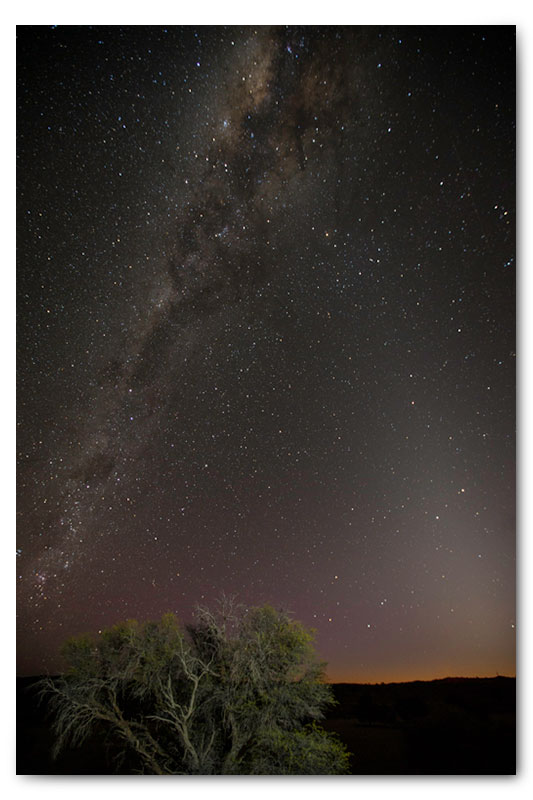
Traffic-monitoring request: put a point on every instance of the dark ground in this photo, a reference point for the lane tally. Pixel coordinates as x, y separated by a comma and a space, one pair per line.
456, 726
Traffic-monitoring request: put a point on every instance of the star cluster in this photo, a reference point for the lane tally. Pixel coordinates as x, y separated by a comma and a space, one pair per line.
266, 336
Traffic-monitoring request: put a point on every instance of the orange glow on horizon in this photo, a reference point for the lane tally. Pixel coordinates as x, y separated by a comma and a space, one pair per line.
408, 676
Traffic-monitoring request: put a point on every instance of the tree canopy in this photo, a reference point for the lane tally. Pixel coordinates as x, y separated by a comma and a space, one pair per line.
237, 692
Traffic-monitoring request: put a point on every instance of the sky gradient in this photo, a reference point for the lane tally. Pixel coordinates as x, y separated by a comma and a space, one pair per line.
266, 336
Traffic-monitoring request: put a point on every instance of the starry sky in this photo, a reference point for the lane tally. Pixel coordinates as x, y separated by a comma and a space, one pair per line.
266, 336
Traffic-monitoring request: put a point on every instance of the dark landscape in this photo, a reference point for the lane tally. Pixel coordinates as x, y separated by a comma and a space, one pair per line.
454, 726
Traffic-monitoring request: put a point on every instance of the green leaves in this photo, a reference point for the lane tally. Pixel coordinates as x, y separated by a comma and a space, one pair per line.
308, 751
233, 695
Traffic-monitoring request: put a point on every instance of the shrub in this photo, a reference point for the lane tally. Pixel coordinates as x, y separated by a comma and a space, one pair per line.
237, 692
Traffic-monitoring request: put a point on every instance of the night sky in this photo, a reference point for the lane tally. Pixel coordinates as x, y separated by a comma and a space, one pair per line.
266, 336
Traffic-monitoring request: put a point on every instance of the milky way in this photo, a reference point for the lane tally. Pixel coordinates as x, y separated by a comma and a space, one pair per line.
266, 336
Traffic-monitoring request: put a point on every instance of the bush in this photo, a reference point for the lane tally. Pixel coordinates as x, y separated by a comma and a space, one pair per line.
236, 693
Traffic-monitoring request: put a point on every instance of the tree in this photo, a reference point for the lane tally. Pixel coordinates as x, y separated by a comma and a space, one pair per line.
237, 692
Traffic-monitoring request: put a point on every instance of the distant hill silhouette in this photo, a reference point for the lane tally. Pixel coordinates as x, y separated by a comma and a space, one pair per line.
450, 726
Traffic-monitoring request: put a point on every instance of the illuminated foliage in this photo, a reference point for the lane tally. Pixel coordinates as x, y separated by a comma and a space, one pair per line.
238, 692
